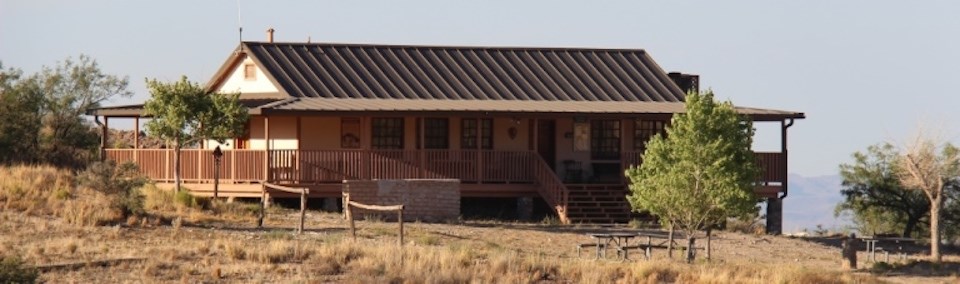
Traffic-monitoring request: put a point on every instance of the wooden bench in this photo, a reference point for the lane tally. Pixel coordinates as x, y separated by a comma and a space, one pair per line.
601, 249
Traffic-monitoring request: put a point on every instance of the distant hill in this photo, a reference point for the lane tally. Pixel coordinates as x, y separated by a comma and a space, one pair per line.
811, 202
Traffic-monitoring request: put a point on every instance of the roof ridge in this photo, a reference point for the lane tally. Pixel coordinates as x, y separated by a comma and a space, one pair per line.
430, 46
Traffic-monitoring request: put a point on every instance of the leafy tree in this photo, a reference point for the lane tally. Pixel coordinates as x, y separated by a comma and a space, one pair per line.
702, 172
184, 113
929, 165
874, 194
41, 115
70, 88
20, 105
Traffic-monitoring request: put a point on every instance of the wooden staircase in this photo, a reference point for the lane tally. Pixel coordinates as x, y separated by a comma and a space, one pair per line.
598, 204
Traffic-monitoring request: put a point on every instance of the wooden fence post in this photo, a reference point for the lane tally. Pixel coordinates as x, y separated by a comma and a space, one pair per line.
400, 220
303, 208
346, 207
263, 202
353, 228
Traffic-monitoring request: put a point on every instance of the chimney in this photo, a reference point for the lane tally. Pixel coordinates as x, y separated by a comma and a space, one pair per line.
686, 82
270, 35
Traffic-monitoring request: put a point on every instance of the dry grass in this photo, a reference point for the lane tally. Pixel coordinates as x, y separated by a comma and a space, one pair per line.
44, 190
219, 244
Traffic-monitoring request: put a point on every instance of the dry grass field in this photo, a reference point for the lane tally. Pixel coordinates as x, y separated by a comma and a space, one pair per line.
218, 243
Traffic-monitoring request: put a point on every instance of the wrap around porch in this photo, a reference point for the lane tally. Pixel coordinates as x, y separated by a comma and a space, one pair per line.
484, 173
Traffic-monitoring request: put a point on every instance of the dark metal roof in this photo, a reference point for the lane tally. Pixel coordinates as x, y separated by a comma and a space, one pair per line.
462, 73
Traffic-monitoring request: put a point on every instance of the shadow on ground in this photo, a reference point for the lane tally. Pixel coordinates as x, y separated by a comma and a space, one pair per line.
897, 265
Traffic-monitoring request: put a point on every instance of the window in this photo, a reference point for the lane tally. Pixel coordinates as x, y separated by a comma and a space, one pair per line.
468, 133
605, 139
249, 71
436, 133
387, 133
644, 130
243, 142
350, 133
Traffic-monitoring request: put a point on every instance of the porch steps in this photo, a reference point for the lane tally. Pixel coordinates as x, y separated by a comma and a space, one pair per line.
598, 204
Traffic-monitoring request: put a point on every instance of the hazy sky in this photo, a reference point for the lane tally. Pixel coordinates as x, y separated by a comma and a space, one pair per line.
863, 71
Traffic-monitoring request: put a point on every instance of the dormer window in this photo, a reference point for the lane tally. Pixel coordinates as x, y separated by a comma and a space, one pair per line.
249, 72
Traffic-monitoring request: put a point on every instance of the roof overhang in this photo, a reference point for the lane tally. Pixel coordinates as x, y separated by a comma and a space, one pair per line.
327, 106
307, 106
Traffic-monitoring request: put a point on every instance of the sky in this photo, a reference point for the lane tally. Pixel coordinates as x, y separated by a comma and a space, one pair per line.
864, 72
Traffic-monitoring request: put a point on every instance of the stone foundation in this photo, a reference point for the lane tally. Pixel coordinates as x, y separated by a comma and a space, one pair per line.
430, 200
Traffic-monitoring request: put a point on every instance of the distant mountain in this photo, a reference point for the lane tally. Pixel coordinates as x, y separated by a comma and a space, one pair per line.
811, 202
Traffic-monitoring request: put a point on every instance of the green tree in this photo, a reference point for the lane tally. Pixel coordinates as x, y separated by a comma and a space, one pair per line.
929, 165
20, 103
71, 88
184, 113
702, 172
41, 115
873, 193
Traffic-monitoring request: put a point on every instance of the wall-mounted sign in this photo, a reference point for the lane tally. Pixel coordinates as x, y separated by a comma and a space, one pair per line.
581, 136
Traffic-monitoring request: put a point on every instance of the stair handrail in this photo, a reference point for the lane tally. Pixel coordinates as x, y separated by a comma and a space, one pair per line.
551, 187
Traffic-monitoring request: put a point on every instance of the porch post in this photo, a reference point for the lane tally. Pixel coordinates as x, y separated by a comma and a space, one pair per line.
775, 204
423, 166
479, 144
366, 137
623, 149
298, 175
266, 140
104, 132
136, 139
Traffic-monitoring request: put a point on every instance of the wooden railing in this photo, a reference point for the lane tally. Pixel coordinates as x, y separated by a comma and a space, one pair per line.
333, 166
330, 166
551, 188
236, 166
772, 167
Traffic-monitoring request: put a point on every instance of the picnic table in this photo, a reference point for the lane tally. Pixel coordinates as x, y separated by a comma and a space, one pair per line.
621, 242
604, 240
872, 248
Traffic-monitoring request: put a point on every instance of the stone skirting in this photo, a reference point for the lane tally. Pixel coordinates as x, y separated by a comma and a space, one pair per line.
430, 200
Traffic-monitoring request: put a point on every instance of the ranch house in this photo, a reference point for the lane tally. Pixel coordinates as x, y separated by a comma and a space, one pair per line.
549, 126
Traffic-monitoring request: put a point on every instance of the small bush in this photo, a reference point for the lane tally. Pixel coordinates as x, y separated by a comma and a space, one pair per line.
12, 270
550, 221
234, 209
121, 182
185, 199
746, 226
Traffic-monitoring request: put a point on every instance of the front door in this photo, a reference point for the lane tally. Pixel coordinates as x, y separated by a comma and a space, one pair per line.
547, 142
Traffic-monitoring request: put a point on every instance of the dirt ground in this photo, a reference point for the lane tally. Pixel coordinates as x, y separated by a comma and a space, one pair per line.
206, 250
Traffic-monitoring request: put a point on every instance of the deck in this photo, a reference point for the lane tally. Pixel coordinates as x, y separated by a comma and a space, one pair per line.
483, 173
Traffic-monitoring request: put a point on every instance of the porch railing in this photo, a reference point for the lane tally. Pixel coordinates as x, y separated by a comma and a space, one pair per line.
237, 166
773, 170
333, 166
323, 166
551, 188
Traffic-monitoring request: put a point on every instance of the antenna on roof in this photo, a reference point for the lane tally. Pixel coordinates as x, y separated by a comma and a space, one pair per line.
239, 23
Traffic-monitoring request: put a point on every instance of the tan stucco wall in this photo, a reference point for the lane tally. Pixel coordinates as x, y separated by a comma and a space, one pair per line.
501, 137
237, 83
283, 133
318, 133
